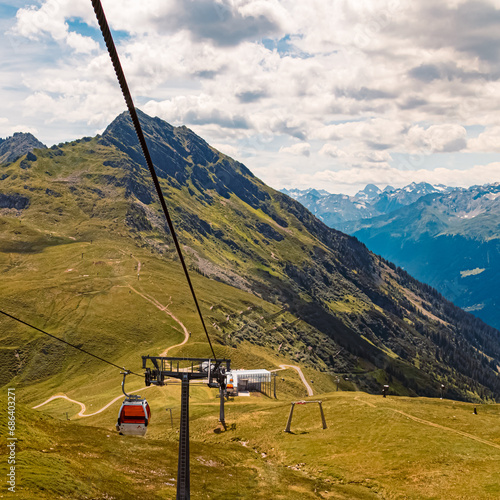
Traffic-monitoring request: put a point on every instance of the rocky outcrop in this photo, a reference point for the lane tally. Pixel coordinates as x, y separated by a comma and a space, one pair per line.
18, 145
14, 200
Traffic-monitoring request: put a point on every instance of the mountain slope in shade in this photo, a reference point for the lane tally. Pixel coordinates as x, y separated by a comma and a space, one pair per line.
18, 145
348, 310
451, 241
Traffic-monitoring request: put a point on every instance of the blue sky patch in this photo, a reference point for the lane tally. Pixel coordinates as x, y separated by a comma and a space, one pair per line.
77, 25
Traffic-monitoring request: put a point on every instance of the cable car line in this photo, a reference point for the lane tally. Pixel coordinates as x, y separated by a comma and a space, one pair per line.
68, 343
113, 54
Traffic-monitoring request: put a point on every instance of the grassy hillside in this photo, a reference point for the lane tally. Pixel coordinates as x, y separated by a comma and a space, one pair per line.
99, 303
78, 219
390, 448
85, 255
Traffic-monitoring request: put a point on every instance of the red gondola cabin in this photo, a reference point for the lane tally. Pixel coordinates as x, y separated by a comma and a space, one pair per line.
134, 417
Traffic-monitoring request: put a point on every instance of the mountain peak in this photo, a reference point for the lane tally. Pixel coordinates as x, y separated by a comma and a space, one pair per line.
368, 193
167, 144
18, 145
123, 122
371, 188
180, 155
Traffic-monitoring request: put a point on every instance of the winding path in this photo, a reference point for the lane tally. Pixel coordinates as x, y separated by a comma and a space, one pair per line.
82, 405
301, 375
163, 308
159, 306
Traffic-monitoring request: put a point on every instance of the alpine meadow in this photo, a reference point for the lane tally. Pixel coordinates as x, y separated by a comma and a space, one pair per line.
86, 255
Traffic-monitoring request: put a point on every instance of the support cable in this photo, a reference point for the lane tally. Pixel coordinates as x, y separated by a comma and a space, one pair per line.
113, 54
68, 343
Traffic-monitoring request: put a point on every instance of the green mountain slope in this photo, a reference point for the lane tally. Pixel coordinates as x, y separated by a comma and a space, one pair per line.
451, 242
275, 283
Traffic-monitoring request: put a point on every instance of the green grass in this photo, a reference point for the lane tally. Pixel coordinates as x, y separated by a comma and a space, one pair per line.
88, 301
69, 265
366, 452
395, 448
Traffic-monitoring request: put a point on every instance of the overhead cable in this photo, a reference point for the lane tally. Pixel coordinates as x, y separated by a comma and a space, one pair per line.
113, 54
68, 343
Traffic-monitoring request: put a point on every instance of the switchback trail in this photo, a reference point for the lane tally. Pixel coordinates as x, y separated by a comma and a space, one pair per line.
82, 405
159, 306
301, 375
164, 309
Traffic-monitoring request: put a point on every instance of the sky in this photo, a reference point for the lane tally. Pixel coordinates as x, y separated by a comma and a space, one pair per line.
321, 94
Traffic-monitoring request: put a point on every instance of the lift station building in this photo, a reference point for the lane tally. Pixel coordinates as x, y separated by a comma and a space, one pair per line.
238, 381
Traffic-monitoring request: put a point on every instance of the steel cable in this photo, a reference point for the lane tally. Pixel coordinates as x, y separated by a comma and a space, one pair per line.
113, 54
67, 343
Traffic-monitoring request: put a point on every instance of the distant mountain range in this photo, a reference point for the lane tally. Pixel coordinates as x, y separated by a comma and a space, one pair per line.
446, 237
339, 210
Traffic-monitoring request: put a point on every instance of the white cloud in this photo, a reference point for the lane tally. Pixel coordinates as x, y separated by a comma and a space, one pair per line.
50, 20
46, 20
299, 149
81, 44
436, 139
198, 110
488, 141
332, 151
356, 81
381, 131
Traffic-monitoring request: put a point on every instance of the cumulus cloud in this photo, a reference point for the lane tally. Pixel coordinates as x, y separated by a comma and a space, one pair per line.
299, 149
348, 84
332, 151
376, 130
198, 110
471, 27
436, 139
224, 22
50, 20
488, 141
81, 44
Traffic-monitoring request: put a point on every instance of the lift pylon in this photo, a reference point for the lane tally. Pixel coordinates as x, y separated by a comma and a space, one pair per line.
186, 369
